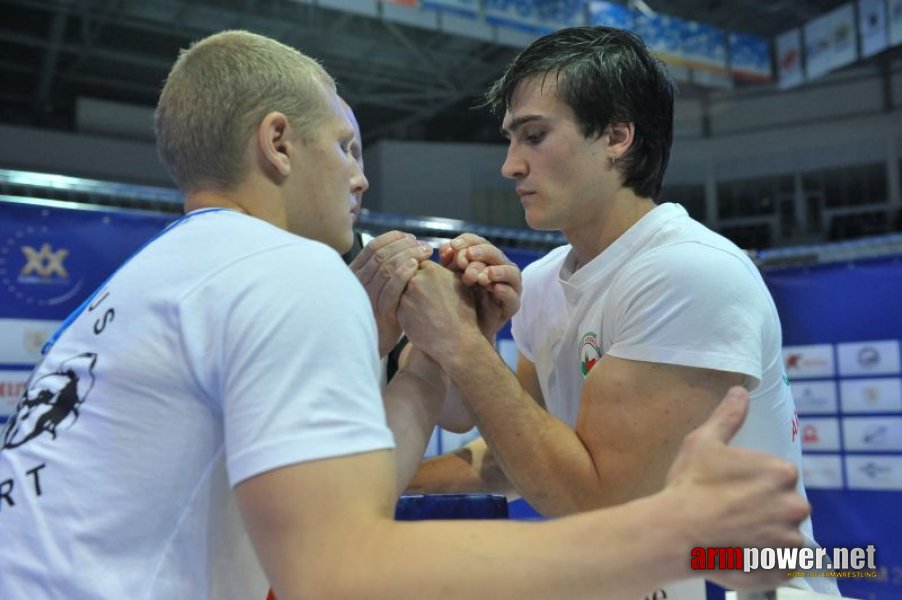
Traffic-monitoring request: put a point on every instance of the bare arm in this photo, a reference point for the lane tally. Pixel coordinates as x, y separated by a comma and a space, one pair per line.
496, 284
470, 469
454, 415
413, 399
633, 417
529, 379
473, 468
633, 414
324, 530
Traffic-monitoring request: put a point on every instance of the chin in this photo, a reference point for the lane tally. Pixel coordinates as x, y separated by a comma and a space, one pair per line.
344, 244
535, 222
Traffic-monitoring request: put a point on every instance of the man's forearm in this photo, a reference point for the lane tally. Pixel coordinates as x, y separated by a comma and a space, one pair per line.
615, 554
542, 457
471, 468
413, 400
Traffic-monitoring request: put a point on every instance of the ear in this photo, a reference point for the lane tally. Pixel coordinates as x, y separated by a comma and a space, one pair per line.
620, 138
274, 140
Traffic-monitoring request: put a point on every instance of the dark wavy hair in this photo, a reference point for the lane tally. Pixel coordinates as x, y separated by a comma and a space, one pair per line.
605, 76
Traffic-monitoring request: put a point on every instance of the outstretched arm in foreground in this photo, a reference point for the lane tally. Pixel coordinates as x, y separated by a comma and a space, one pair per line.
324, 530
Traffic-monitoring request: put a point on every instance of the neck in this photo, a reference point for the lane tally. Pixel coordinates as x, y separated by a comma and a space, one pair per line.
614, 218
212, 199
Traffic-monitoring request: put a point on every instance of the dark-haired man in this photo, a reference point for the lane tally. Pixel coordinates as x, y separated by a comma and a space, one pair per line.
630, 334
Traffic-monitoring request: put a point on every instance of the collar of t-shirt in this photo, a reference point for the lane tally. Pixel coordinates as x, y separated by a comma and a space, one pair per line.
575, 280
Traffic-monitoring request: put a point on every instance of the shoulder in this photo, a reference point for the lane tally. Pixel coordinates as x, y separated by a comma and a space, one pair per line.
248, 255
692, 256
691, 277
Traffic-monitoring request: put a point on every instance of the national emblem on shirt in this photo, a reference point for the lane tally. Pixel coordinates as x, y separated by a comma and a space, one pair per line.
51, 402
589, 352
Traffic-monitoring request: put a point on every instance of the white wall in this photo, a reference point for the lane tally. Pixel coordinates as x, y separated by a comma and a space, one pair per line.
81, 155
440, 180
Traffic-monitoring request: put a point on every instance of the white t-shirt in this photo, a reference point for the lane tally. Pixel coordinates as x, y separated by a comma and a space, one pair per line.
224, 349
670, 291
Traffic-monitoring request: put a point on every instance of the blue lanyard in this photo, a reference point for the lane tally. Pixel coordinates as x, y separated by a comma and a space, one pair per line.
81, 308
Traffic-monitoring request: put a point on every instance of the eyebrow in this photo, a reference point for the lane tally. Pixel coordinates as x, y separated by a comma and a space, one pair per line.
515, 123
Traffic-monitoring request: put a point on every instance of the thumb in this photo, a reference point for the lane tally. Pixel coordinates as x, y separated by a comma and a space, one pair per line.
728, 417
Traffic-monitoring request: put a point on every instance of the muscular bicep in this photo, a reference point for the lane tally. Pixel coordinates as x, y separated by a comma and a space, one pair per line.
634, 416
303, 518
529, 378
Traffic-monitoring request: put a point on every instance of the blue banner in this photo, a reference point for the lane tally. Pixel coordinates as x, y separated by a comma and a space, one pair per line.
841, 332
750, 57
535, 16
52, 258
702, 46
468, 8
658, 32
610, 15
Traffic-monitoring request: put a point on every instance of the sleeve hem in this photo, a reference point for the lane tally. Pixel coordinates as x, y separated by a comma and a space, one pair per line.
701, 360
316, 446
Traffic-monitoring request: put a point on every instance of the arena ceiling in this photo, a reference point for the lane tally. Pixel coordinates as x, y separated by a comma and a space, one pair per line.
405, 82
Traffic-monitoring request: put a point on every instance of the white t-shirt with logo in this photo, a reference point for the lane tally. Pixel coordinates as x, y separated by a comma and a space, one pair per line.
671, 291
224, 349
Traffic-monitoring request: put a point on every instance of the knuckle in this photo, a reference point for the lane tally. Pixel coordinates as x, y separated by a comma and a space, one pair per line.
789, 474
692, 439
802, 510
792, 539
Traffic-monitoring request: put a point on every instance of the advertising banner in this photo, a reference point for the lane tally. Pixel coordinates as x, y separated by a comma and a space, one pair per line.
872, 27
750, 58
610, 15
789, 59
831, 41
535, 16
895, 22
661, 33
468, 8
852, 450
702, 46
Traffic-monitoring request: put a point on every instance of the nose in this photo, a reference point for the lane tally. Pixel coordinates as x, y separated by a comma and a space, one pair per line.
359, 182
514, 167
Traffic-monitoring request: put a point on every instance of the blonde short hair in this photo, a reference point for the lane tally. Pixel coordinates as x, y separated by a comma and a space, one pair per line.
217, 93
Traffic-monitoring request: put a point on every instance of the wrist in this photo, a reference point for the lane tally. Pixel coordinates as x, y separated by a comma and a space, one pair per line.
429, 373
491, 335
471, 348
387, 343
672, 520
